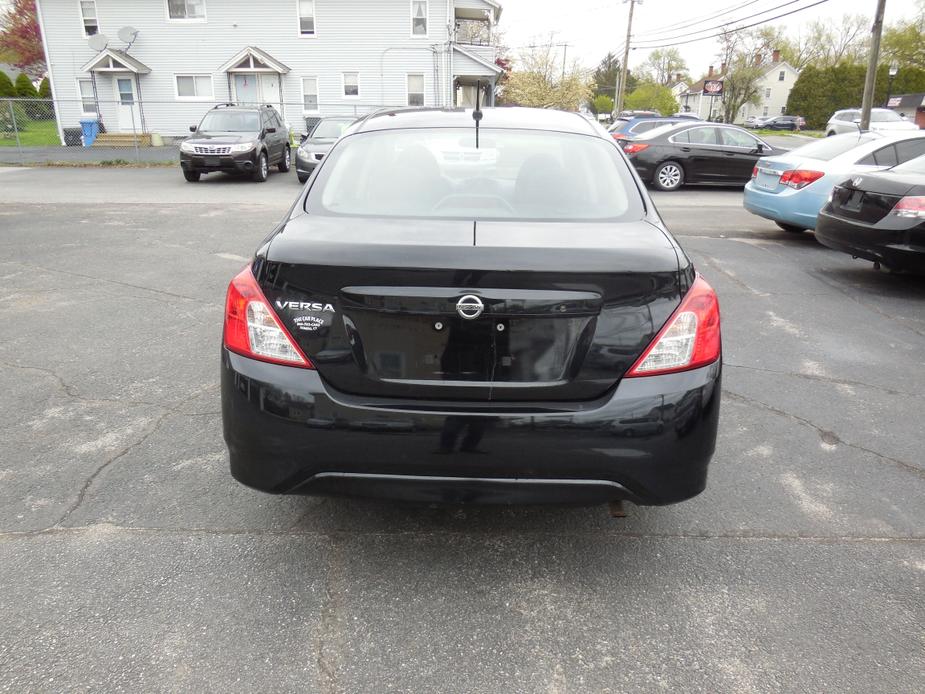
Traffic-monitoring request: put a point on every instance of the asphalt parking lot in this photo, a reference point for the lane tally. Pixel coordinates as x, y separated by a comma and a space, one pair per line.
131, 561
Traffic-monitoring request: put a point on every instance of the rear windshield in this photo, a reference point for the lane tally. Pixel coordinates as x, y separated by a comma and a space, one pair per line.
885, 116
330, 129
913, 166
830, 147
439, 174
230, 121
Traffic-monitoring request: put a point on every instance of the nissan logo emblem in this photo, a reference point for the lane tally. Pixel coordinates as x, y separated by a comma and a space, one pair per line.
470, 307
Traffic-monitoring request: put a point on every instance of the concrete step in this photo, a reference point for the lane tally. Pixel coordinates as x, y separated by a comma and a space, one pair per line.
122, 140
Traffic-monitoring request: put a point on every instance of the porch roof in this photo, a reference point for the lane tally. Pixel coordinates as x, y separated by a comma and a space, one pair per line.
466, 64
253, 56
112, 60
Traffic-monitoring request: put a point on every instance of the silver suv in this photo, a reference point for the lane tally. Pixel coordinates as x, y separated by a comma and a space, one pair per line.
881, 119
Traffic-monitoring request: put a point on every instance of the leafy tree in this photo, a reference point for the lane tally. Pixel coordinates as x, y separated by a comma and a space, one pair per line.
649, 96
21, 38
45, 89
7, 89
662, 65
904, 42
602, 104
24, 87
538, 80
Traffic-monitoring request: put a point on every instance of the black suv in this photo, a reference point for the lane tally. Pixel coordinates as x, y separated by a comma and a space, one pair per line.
236, 139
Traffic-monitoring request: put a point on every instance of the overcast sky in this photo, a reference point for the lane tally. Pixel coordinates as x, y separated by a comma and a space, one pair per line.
594, 27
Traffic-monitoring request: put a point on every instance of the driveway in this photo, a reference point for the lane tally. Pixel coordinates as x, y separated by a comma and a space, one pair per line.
131, 561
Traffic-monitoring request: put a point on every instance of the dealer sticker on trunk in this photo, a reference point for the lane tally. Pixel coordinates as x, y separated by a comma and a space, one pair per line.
308, 323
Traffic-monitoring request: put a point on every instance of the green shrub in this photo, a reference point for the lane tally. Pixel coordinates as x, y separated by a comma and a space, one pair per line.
45, 89
6, 86
24, 87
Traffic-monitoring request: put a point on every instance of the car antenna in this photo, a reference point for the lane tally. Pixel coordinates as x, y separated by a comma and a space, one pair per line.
477, 112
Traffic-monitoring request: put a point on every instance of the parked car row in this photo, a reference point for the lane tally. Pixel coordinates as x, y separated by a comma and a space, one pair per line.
248, 140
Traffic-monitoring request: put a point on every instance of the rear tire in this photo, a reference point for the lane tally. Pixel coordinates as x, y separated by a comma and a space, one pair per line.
191, 176
302, 178
286, 162
830, 133
668, 176
261, 169
791, 228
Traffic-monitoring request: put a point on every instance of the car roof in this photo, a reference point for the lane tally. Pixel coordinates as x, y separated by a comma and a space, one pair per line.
508, 117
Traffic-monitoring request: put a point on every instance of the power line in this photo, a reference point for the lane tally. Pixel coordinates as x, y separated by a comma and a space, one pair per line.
738, 28
693, 22
720, 26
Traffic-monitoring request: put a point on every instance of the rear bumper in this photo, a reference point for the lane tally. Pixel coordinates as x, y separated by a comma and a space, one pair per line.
650, 442
797, 207
902, 249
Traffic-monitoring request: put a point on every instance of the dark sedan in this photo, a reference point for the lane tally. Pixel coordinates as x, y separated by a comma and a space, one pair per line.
473, 310
673, 155
317, 143
879, 216
792, 123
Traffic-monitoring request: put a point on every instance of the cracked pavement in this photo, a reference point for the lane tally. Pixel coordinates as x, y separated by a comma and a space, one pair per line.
131, 561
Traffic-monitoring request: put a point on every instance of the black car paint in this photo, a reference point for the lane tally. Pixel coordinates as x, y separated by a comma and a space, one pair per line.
484, 434
702, 162
270, 140
857, 220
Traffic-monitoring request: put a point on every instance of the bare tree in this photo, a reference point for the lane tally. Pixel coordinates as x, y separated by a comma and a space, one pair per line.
540, 79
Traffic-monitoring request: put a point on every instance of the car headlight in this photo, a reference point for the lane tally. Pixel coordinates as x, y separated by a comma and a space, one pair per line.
187, 147
242, 147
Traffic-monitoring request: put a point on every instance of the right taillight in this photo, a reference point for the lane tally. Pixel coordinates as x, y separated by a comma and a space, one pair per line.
910, 207
634, 148
755, 172
618, 136
690, 339
800, 178
252, 328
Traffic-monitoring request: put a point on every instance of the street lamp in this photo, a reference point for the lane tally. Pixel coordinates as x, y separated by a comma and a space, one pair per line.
894, 69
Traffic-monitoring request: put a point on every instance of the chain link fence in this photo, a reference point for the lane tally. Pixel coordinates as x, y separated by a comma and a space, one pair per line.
127, 131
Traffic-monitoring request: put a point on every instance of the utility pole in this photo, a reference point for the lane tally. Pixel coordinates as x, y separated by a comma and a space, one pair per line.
872, 60
618, 105
564, 53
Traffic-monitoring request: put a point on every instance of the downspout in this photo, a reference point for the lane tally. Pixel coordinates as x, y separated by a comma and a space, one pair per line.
51, 81
141, 107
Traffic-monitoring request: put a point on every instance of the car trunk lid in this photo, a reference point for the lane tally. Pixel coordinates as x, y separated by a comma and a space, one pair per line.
565, 308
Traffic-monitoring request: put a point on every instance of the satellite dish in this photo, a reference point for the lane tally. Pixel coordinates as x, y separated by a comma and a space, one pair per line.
98, 42
128, 35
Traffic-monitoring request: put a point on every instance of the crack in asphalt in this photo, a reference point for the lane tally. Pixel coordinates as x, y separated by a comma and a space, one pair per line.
333, 535
329, 636
825, 379
829, 437
713, 263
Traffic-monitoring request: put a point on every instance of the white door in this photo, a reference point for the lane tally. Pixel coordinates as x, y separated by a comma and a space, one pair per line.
245, 88
269, 89
126, 103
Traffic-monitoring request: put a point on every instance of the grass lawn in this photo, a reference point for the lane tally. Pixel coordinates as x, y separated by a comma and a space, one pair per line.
806, 133
37, 133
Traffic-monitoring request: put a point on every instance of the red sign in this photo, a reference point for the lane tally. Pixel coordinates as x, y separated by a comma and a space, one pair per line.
713, 87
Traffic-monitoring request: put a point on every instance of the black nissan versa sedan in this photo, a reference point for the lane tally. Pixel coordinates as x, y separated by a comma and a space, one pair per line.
879, 216
462, 309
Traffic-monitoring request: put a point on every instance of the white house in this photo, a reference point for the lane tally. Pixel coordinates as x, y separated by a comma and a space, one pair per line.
774, 89
696, 99
167, 61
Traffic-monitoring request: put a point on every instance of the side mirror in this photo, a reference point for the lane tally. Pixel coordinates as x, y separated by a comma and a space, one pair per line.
856, 120
270, 131
760, 148
192, 128
303, 137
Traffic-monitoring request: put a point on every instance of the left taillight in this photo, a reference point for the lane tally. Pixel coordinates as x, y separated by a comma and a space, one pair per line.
634, 148
252, 328
688, 340
800, 178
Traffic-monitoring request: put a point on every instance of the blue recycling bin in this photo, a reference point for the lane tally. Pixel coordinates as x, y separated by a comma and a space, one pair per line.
90, 128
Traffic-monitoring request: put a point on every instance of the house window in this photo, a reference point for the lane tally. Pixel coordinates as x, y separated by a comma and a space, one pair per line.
87, 101
306, 17
88, 15
765, 112
186, 9
351, 84
194, 87
310, 93
415, 90
780, 77
783, 110
419, 17
767, 93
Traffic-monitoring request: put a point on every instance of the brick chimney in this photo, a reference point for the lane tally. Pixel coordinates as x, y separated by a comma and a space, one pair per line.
776, 56
677, 76
710, 72
722, 69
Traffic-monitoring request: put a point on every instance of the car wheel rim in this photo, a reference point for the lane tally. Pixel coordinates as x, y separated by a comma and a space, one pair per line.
263, 166
287, 158
669, 176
